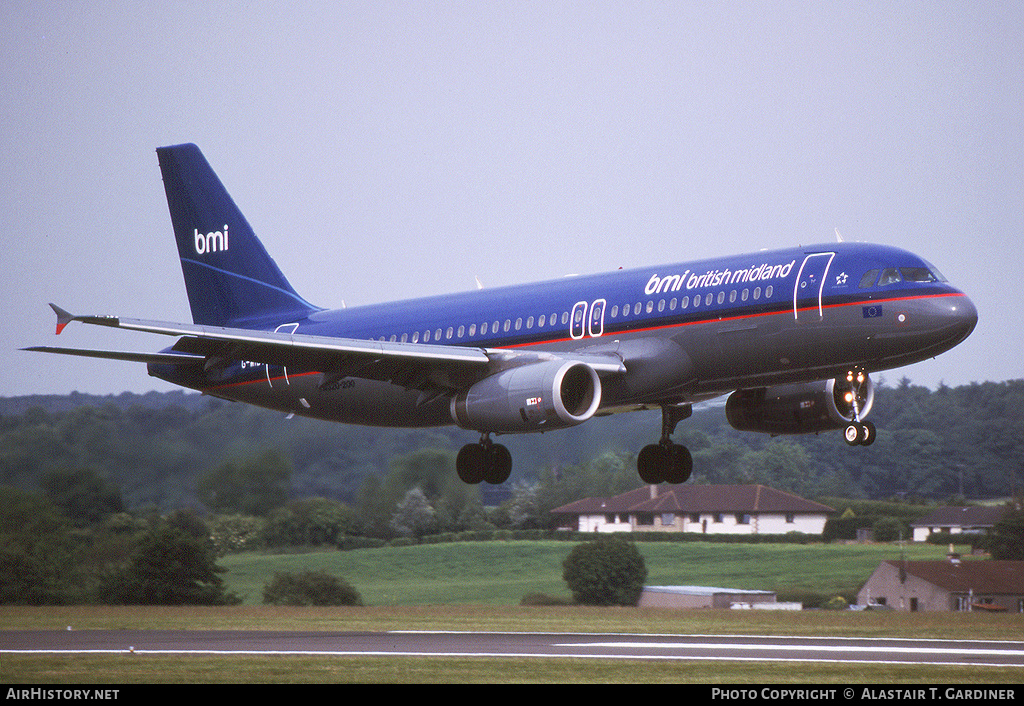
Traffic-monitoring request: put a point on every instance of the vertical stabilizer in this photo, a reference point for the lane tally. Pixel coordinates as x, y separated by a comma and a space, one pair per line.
229, 277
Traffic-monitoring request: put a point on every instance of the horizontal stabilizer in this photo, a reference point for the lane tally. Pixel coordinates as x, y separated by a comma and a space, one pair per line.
161, 358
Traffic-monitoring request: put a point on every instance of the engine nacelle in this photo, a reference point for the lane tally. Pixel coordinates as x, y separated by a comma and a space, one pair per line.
801, 408
537, 397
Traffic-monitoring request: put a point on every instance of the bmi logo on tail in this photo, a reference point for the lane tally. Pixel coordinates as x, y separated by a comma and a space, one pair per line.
215, 241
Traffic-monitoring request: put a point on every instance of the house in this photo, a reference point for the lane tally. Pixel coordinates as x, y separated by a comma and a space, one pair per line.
708, 509
950, 585
956, 520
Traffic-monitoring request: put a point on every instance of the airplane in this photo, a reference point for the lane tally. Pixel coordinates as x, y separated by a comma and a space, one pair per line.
791, 335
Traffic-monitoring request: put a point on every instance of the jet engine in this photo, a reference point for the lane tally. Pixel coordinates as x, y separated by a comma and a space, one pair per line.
536, 397
802, 408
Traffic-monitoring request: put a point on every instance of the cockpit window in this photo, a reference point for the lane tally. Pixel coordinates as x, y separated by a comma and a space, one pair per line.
890, 275
917, 274
868, 279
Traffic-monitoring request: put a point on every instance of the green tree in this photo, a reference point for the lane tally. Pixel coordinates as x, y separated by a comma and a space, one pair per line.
38, 559
1007, 539
169, 567
605, 571
253, 487
309, 521
414, 516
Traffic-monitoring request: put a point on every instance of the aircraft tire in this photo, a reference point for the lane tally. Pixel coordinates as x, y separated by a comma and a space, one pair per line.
652, 463
680, 465
498, 464
470, 464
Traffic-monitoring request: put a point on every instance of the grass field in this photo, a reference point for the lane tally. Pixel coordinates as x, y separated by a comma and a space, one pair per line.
501, 573
477, 586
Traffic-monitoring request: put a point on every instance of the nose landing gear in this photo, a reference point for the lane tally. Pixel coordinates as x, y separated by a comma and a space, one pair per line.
858, 433
666, 462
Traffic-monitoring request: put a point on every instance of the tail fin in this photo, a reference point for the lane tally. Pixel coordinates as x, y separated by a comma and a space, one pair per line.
229, 277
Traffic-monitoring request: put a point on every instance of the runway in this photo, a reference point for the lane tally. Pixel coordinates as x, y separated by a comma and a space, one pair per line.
517, 644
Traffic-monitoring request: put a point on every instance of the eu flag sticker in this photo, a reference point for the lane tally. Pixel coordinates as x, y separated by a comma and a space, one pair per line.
872, 312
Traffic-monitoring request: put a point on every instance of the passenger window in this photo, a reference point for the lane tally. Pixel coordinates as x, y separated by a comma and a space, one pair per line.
686, 302
615, 311
868, 279
768, 291
721, 297
757, 292
529, 322
472, 330
890, 275
708, 299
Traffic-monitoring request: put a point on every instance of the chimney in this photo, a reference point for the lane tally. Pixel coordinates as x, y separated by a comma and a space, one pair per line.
654, 491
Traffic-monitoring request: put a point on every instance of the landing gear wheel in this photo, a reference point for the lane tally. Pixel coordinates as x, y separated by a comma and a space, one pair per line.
652, 463
680, 464
483, 462
859, 433
664, 463
470, 464
498, 464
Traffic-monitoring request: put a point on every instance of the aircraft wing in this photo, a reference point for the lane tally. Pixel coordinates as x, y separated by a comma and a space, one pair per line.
413, 365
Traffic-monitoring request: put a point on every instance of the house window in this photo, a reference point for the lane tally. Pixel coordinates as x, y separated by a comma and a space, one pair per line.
790, 518
695, 517
645, 518
668, 519
716, 517
742, 518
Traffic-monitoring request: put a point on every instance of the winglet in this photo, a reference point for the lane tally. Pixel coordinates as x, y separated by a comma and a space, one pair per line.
63, 317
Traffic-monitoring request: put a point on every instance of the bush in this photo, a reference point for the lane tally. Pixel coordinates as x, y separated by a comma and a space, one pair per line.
605, 571
304, 588
836, 603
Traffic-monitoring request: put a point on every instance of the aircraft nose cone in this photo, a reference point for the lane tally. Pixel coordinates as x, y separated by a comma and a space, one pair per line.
954, 319
964, 316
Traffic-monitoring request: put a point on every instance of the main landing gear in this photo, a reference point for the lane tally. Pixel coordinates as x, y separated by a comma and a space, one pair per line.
666, 462
485, 461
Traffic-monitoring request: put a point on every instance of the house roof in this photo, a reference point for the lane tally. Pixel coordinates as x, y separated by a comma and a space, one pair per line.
979, 576
687, 498
973, 516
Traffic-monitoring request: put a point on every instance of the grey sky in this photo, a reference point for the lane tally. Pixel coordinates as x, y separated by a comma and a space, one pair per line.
385, 150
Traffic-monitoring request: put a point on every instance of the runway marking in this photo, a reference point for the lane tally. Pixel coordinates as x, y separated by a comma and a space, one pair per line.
793, 648
506, 655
